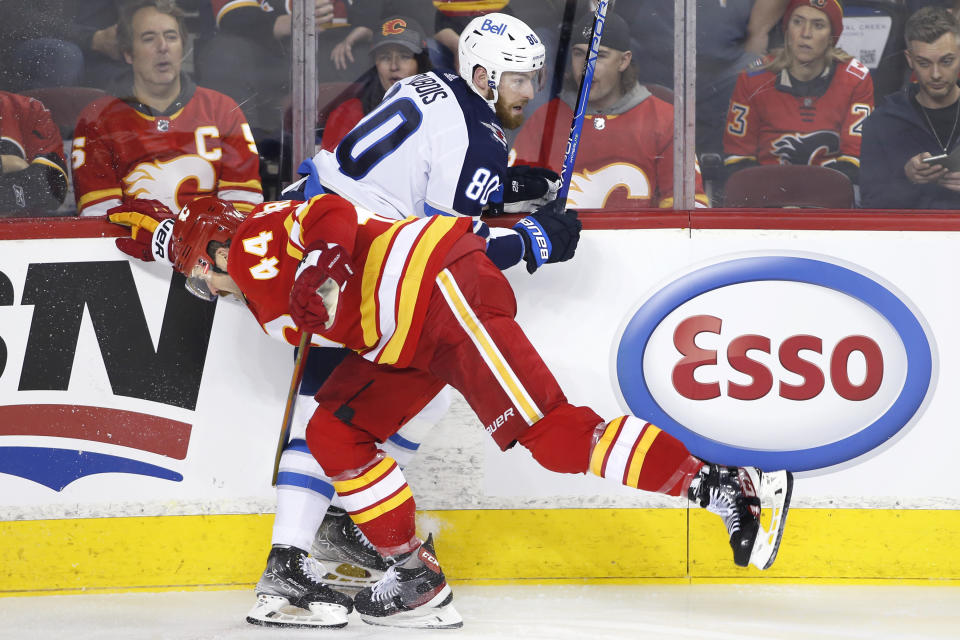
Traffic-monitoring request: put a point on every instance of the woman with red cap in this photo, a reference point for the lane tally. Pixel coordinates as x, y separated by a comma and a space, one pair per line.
398, 51
805, 103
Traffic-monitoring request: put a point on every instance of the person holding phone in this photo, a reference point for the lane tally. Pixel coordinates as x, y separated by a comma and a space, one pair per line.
910, 142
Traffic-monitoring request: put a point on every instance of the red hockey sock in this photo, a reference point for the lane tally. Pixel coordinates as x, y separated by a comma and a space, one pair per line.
644, 457
379, 500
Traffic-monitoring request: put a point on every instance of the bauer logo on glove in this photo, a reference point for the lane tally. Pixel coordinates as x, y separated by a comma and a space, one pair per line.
151, 229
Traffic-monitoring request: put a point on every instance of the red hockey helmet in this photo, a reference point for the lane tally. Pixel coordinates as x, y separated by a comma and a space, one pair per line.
202, 221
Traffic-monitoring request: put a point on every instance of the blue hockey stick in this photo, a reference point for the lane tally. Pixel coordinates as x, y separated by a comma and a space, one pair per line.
573, 142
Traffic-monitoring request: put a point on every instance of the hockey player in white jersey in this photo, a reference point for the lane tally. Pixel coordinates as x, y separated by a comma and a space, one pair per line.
434, 146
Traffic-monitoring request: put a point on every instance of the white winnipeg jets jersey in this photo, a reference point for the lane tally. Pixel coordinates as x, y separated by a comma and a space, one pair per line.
433, 146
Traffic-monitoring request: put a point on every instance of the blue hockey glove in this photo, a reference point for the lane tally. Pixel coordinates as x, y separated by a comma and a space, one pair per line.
307, 186
549, 235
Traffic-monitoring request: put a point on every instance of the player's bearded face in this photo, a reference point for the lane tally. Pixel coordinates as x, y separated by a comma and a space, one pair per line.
515, 91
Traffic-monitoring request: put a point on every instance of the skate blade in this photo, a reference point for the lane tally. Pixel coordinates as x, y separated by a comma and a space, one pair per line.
775, 490
349, 576
439, 613
276, 611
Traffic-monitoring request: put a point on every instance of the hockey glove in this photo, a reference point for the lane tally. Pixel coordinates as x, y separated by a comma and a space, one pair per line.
529, 188
549, 235
151, 229
307, 186
322, 275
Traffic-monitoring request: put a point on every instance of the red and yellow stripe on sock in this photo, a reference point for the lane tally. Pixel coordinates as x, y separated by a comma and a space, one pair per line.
642, 456
381, 503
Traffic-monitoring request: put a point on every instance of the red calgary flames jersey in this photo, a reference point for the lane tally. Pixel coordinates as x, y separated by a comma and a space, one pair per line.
381, 310
769, 124
624, 161
205, 148
28, 132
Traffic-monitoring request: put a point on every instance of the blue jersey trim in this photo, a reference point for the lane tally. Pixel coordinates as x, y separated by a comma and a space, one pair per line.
433, 211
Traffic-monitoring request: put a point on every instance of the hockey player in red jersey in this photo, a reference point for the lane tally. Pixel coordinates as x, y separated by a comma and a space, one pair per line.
421, 306
806, 104
33, 171
165, 138
625, 158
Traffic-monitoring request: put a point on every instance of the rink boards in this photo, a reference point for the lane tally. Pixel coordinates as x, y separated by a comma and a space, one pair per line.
137, 428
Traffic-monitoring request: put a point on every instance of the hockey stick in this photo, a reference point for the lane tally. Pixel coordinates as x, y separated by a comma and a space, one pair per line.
573, 142
299, 364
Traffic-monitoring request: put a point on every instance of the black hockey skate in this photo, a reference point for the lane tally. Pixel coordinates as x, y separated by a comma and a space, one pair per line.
350, 560
736, 494
413, 593
290, 594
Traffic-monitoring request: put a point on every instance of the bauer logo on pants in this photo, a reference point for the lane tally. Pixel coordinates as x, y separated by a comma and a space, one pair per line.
779, 361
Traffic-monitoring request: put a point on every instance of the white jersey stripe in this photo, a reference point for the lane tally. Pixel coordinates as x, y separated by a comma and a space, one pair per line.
389, 287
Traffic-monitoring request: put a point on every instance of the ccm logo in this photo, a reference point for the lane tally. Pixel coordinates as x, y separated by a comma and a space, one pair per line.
789, 354
777, 361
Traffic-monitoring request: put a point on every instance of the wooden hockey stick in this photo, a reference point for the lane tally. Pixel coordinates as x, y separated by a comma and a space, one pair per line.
576, 126
299, 364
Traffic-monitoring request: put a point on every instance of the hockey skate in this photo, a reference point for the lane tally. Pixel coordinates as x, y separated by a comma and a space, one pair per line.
349, 558
413, 593
290, 594
740, 495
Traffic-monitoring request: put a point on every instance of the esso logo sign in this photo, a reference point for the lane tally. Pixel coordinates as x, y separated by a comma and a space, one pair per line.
776, 361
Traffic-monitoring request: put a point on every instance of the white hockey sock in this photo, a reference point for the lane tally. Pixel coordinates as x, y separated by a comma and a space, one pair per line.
303, 489
403, 445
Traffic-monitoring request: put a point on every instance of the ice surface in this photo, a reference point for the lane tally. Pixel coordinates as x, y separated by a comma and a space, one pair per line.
520, 612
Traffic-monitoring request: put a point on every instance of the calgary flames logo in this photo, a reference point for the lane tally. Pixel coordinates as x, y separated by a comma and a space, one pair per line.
591, 190
158, 180
806, 148
393, 27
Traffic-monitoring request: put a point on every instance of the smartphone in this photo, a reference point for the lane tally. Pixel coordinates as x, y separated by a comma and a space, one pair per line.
943, 160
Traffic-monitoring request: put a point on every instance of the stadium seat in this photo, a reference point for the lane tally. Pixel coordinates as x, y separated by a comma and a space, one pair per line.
801, 186
65, 104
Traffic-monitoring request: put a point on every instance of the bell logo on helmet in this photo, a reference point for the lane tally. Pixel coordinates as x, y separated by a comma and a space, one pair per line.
492, 27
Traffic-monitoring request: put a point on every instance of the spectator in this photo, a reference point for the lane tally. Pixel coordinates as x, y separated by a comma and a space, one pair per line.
806, 104
399, 50
731, 35
162, 138
366, 16
33, 171
47, 43
625, 159
916, 122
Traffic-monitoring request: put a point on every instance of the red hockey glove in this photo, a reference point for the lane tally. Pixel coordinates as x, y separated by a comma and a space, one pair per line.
151, 229
322, 275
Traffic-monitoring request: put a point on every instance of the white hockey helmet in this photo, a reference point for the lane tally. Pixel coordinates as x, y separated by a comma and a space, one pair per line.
499, 43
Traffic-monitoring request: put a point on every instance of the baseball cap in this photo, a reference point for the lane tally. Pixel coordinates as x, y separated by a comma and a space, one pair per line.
399, 30
615, 34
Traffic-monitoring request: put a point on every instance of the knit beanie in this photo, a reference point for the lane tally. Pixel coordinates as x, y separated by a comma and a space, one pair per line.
832, 8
